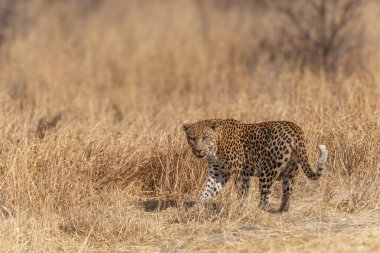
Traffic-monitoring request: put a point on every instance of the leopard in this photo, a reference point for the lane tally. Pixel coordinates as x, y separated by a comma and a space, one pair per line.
272, 151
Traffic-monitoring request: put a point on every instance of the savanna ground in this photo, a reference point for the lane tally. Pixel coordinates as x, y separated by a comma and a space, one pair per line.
93, 96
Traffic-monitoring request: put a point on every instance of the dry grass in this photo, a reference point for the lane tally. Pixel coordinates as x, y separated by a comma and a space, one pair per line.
93, 97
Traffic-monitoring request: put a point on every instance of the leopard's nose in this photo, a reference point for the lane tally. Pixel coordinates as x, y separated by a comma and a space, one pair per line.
198, 151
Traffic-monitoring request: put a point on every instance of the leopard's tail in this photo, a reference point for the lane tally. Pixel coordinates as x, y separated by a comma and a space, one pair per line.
303, 160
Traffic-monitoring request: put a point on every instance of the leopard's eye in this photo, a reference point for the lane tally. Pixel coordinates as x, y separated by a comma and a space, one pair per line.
192, 139
205, 138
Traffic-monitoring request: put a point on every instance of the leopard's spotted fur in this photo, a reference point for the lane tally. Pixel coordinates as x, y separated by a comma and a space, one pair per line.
269, 150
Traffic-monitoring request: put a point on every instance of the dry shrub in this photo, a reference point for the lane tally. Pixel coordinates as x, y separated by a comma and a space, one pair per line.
320, 35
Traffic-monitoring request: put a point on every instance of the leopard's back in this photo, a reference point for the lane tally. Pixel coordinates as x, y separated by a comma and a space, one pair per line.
269, 144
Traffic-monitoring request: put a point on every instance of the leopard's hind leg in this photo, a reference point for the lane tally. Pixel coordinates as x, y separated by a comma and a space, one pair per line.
287, 184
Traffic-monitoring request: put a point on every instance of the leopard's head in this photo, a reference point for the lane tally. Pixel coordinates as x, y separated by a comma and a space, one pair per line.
202, 138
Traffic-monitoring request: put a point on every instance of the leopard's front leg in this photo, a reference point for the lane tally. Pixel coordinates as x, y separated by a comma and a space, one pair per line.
218, 176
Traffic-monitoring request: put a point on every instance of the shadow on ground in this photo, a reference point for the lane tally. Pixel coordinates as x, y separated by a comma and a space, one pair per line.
154, 205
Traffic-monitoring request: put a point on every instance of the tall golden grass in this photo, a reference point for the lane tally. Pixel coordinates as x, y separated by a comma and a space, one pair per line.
93, 98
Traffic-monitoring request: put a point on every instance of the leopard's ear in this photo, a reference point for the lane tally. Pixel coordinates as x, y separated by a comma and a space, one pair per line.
186, 127
213, 124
